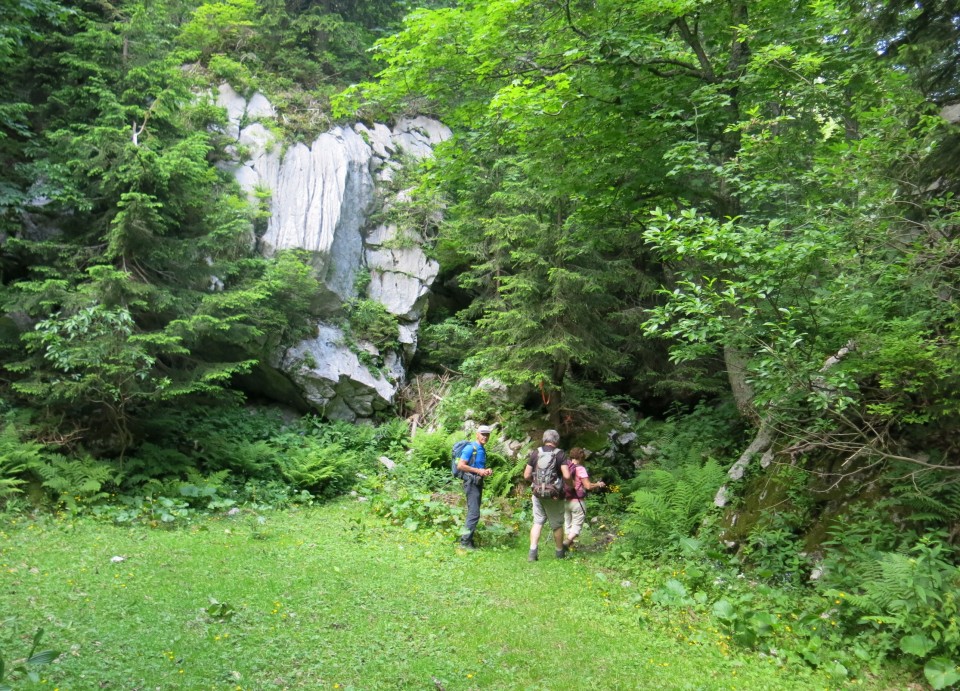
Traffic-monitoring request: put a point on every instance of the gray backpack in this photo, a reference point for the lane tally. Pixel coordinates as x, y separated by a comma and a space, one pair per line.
547, 477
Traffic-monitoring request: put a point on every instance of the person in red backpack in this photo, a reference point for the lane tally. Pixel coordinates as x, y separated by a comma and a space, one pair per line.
549, 475
574, 512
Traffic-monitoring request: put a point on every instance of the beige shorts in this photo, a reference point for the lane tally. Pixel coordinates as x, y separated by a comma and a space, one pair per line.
548, 510
573, 515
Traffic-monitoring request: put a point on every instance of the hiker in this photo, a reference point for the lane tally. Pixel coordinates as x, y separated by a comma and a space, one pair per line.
574, 512
472, 463
549, 475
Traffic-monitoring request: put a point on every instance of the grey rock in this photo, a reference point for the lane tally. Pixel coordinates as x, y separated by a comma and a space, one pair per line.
320, 199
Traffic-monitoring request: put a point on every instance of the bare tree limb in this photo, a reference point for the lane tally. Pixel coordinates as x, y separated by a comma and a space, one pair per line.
692, 40
767, 431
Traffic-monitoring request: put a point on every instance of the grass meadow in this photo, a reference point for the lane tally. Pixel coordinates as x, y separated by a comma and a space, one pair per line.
335, 598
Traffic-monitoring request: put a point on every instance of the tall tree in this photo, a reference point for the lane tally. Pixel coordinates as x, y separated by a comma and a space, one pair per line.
134, 265
748, 143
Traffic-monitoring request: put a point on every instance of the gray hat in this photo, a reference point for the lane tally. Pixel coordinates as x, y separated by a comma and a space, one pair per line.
484, 429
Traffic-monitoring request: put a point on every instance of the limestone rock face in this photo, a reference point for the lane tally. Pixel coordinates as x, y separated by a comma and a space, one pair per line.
320, 199
333, 380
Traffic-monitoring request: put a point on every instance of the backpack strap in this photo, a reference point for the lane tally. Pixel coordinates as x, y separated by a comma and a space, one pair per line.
473, 456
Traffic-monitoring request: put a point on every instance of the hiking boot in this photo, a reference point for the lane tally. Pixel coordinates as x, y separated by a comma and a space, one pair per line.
467, 543
562, 552
532, 556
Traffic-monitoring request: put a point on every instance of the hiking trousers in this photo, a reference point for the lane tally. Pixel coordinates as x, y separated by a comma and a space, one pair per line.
474, 491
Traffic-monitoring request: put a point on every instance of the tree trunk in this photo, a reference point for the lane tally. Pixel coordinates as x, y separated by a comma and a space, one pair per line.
553, 398
736, 365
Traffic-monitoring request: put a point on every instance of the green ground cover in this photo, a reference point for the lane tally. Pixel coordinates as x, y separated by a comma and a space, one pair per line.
334, 598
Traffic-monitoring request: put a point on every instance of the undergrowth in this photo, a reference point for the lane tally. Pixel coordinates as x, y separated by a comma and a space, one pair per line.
877, 591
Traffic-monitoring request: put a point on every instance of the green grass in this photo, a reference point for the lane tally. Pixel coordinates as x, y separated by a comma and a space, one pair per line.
333, 597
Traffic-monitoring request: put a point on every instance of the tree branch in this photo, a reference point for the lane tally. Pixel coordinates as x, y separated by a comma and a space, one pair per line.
691, 39
767, 432
570, 24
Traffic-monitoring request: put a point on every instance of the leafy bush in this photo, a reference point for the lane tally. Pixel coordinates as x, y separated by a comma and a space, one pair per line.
433, 449
322, 469
365, 439
668, 505
860, 536
689, 436
775, 551
465, 401
424, 498
369, 320
211, 438
416, 497
906, 602
444, 345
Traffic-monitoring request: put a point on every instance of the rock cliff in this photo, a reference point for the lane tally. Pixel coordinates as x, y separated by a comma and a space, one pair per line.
320, 199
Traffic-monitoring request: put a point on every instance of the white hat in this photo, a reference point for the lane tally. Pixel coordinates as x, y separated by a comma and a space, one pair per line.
484, 429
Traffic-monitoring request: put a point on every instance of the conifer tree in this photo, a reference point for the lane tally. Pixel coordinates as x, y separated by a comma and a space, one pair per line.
138, 283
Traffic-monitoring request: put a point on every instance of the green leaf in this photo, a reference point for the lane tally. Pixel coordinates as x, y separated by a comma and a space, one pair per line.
837, 670
763, 622
676, 588
917, 644
941, 672
43, 657
723, 610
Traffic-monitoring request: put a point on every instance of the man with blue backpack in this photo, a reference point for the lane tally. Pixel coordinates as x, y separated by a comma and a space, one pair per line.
470, 460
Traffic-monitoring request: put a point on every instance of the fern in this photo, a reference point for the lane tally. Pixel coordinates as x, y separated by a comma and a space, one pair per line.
670, 504
322, 470
886, 584
932, 497
15, 458
505, 480
912, 593
76, 480
151, 462
432, 449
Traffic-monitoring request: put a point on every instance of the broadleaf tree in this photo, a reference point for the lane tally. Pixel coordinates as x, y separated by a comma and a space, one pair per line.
754, 158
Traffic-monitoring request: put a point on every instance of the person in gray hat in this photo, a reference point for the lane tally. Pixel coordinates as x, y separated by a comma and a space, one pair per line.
473, 466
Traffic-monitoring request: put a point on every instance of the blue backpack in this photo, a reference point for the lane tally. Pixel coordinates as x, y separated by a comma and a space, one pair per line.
457, 450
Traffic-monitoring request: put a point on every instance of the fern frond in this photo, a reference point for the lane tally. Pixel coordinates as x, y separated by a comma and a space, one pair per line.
668, 505
72, 479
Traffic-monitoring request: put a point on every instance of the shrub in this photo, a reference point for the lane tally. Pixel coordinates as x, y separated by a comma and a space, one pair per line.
15, 457
668, 505
433, 449
905, 601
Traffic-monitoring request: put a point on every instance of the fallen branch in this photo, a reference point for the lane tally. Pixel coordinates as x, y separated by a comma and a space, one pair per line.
767, 431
